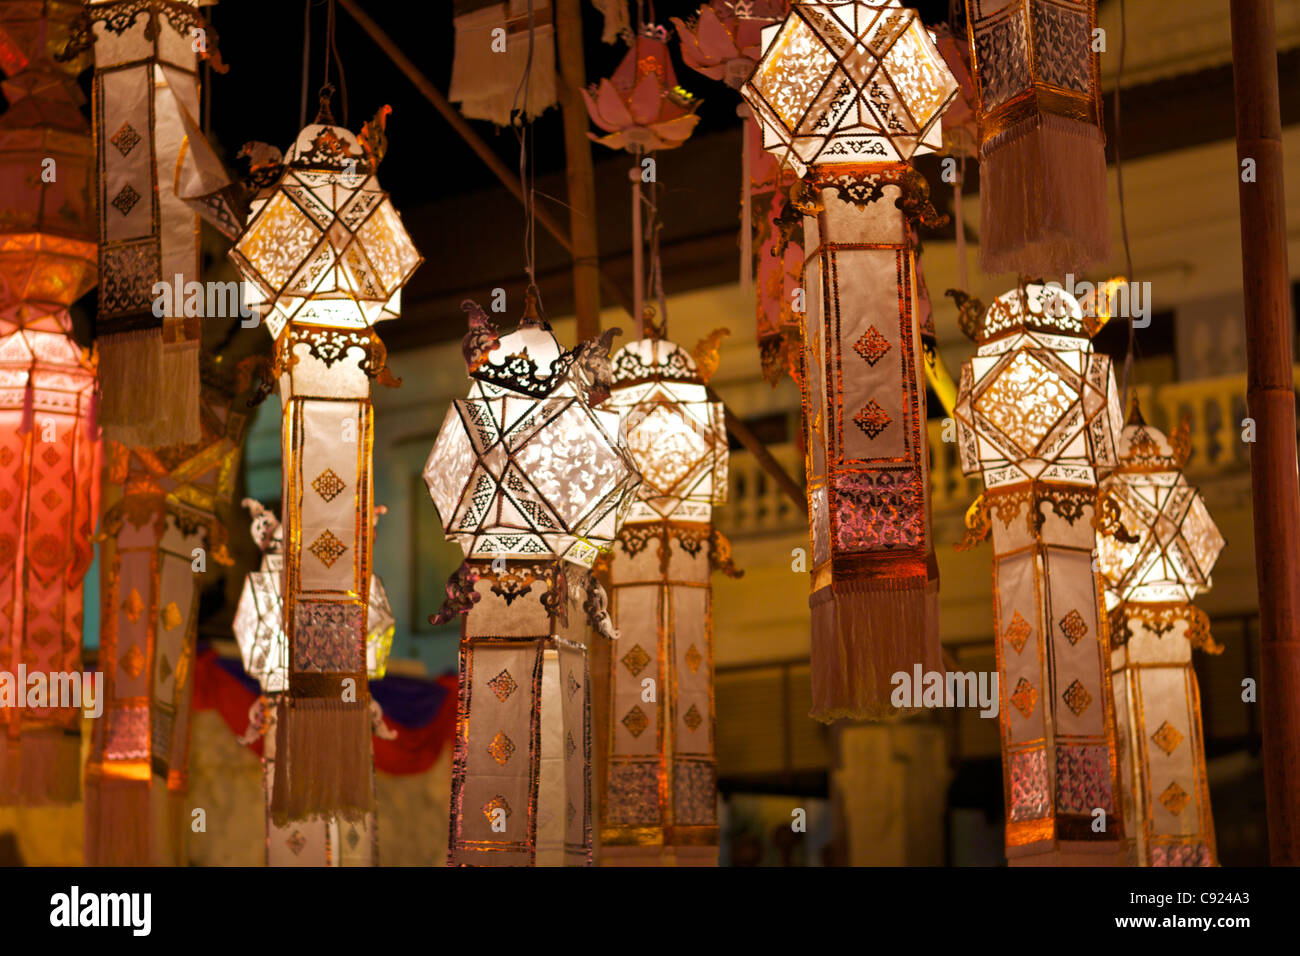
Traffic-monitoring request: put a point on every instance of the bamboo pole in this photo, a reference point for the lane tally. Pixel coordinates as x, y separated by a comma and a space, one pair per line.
579, 175
1270, 397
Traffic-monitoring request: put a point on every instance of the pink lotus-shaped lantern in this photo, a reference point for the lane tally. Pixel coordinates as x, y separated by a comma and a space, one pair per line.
723, 40
641, 106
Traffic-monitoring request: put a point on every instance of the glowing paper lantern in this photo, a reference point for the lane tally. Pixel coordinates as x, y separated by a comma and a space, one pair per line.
846, 93
49, 449
532, 481
157, 537
264, 647
641, 106
1042, 152
1037, 418
659, 794
324, 257
148, 146
1156, 551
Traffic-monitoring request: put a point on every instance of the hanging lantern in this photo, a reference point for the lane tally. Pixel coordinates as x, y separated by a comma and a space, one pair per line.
1043, 204
49, 448
159, 533
723, 39
264, 647
1037, 418
659, 789
492, 72
150, 151
641, 106
846, 93
1156, 547
324, 257
532, 481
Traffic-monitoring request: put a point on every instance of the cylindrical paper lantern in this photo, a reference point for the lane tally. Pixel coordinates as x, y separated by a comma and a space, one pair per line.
1156, 554
846, 93
532, 481
1042, 151
1037, 418
157, 537
659, 792
324, 257
49, 447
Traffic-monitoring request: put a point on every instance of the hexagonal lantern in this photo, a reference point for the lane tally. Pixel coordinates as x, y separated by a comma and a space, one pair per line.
325, 246
1156, 549
847, 92
525, 467
676, 435
658, 785
859, 81
1037, 416
532, 481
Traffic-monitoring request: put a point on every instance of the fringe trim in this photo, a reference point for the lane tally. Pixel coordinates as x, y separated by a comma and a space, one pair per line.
149, 392
1043, 200
40, 768
324, 760
119, 822
864, 632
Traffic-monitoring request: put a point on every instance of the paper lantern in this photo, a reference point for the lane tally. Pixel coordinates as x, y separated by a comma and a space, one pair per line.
491, 72
264, 647
1043, 204
659, 792
324, 257
641, 107
776, 250
158, 535
49, 449
147, 145
1155, 551
723, 39
531, 481
846, 93
1037, 418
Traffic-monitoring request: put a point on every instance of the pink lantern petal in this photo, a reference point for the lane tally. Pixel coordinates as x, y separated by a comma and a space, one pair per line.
676, 131
714, 38
646, 100
613, 108
692, 55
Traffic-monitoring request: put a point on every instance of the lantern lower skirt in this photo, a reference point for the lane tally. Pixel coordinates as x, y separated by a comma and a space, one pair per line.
521, 786
1167, 818
1056, 713
659, 793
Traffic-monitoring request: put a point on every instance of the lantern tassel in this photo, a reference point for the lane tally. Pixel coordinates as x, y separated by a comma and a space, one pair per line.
41, 768
130, 383
323, 761
864, 632
1043, 198
118, 822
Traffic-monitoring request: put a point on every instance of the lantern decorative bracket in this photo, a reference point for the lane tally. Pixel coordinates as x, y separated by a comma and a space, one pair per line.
978, 524
461, 596
720, 558
119, 17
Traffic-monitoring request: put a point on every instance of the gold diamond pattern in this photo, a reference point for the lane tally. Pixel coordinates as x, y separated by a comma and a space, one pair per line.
503, 685
872, 346
502, 748
1025, 698
125, 199
328, 548
496, 803
328, 485
872, 419
133, 661
296, 842
132, 606
636, 659
1018, 632
171, 616
1074, 627
125, 139
694, 658
1167, 738
636, 721
1076, 697
1174, 799
692, 718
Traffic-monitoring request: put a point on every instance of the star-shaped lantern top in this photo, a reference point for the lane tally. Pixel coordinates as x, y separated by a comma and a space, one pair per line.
849, 81
1169, 543
324, 245
526, 467
677, 436
1036, 402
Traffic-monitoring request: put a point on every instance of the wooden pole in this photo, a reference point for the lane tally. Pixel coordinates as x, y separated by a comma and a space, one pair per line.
579, 175
1270, 397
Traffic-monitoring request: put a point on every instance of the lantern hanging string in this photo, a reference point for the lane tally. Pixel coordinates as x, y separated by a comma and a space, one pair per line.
327, 88
306, 62
523, 129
